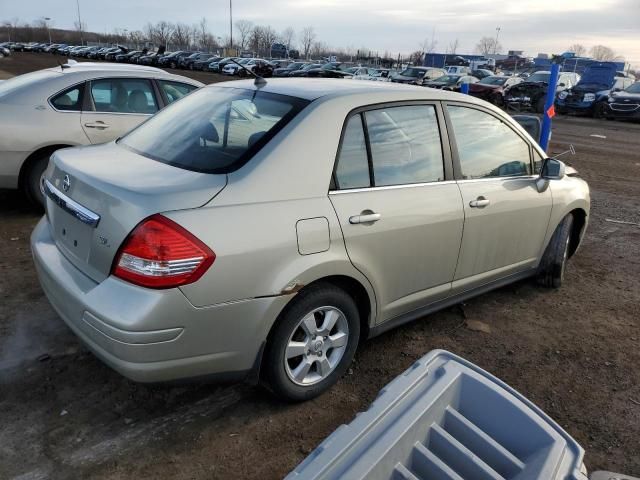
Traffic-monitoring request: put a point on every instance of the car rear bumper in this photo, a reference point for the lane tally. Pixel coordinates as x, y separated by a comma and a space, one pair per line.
153, 335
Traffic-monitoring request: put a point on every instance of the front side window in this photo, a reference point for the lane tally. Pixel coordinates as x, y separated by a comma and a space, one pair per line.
487, 147
70, 100
405, 145
123, 95
175, 90
214, 130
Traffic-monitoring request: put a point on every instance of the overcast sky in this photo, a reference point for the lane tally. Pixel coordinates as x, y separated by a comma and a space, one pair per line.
534, 26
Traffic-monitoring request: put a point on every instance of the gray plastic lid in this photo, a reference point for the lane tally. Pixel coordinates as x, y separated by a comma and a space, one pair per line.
446, 419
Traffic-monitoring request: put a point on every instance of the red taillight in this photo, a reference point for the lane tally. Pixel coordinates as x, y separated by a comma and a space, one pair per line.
159, 253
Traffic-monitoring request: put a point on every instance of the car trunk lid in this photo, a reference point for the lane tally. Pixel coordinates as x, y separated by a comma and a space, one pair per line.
98, 194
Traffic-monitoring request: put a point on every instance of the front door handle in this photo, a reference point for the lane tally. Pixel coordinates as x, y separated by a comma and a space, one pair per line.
99, 125
479, 202
366, 218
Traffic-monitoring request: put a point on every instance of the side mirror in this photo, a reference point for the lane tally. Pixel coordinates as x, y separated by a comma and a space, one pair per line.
617, 89
552, 169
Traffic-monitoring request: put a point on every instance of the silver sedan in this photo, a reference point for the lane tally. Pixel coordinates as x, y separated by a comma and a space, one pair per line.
75, 104
263, 230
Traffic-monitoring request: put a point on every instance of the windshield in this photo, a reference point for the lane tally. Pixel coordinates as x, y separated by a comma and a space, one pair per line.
493, 80
539, 77
26, 80
213, 130
412, 72
634, 88
448, 79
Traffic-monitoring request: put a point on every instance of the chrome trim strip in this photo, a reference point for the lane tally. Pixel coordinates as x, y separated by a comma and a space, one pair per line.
390, 187
493, 179
616, 107
71, 206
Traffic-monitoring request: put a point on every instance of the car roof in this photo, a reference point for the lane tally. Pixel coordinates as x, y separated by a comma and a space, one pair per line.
90, 70
84, 66
315, 88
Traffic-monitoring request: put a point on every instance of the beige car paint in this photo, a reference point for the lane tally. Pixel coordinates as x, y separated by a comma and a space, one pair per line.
276, 227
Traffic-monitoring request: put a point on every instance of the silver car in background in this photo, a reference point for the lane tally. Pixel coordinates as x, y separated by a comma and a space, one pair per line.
75, 104
266, 228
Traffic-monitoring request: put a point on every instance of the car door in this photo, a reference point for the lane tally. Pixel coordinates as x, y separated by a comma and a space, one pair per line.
399, 209
117, 105
506, 217
68, 107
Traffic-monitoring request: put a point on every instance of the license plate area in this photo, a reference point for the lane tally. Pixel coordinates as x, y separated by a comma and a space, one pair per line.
70, 234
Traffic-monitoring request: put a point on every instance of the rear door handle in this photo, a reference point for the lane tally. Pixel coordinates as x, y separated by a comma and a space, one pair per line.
479, 202
100, 125
367, 218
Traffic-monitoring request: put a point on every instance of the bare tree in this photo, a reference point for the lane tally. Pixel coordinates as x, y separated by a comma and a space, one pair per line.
160, 33
181, 35
136, 38
488, 45
428, 45
269, 37
319, 49
579, 49
287, 36
604, 53
453, 47
244, 28
307, 37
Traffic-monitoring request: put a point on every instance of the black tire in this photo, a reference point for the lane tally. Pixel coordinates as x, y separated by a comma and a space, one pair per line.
554, 260
540, 105
274, 372
32, 177
599, 110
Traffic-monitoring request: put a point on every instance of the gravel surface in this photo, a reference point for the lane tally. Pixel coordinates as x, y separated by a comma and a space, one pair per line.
575, 352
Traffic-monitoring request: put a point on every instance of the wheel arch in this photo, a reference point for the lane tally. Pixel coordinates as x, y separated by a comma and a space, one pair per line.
355, 288
577, 229
34, 156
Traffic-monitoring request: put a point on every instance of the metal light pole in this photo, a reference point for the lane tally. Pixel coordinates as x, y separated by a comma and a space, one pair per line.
47, 19
79, 22
230, 24
495, 45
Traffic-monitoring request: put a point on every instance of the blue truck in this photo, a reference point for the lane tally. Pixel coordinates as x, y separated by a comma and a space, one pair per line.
589, 95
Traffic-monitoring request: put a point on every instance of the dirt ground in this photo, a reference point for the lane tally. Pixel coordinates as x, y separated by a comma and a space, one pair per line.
575, 352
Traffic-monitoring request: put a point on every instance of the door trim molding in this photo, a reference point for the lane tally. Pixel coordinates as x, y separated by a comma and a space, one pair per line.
448, 302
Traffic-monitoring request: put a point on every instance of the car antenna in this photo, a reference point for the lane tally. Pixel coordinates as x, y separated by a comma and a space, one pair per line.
259, 81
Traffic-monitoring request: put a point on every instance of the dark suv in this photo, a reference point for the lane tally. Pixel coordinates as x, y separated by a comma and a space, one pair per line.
590, 94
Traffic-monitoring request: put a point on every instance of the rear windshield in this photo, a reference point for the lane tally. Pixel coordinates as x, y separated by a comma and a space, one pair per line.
493, 80
213, 130
26, 80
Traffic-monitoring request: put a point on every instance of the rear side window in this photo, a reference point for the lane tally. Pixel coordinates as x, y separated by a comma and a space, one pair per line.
123, 95
214, 130
352, 170
175, 90
70, 100
405, 145
487, 147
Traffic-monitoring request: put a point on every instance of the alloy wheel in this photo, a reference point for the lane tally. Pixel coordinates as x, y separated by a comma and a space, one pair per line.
316, 346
